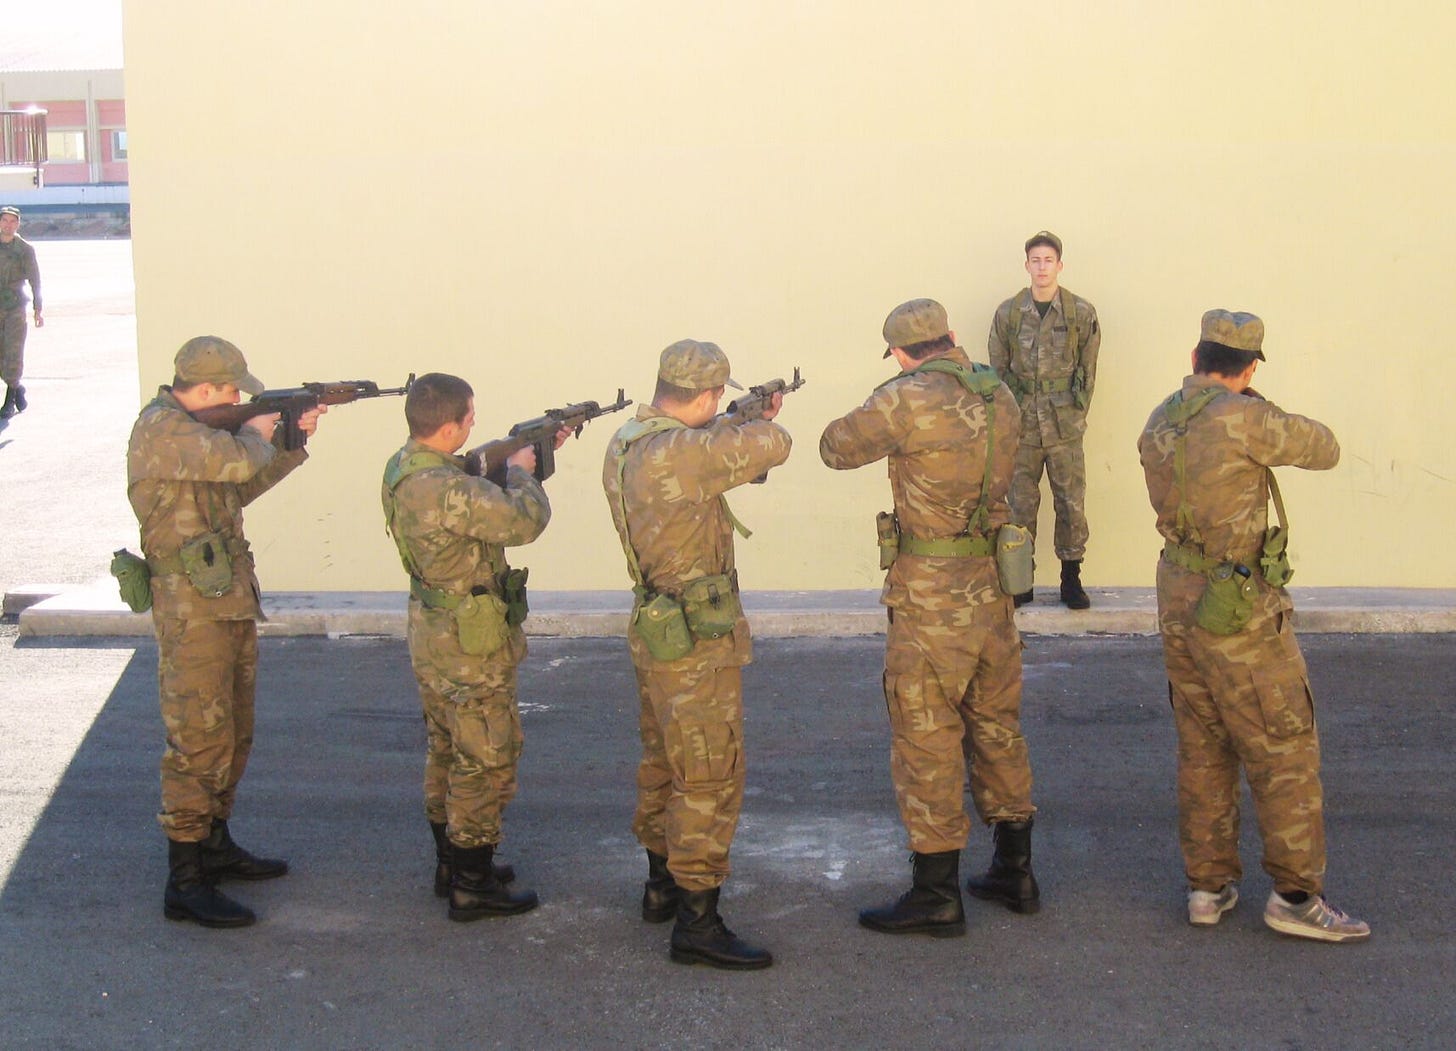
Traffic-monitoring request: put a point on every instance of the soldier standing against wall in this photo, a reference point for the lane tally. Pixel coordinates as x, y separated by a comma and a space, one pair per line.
17, 268
465, 639
665, 475
1044, 343
1236, 679
188, 484
952, 654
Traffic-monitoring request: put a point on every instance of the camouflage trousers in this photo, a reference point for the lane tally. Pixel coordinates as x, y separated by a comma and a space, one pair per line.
1242, 700
12, 346
473, 737
691, 777
206, 674
953, 689
1066, 470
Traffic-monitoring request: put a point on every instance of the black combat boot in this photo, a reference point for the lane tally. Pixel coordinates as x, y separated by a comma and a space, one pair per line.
190, 896
1023, 598
931, 906
20, 403
224, 859
503, 873
699, 936
660, 893
476, 893
8, 409
1072, 593
1009, 879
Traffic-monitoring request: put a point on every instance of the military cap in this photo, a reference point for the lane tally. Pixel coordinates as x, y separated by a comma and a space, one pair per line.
917, 321
692, 365
1235, 330
1044, 237
210, 359
10, 209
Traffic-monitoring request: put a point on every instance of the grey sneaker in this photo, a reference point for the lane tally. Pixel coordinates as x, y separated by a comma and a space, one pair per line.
1206, 908
1316, 919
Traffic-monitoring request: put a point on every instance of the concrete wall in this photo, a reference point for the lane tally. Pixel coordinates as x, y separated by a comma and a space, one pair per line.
605, 178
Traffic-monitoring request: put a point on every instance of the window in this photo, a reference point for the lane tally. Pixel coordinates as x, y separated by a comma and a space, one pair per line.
66, 146
118, 145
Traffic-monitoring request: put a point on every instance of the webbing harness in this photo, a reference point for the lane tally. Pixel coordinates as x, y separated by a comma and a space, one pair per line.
1069, 311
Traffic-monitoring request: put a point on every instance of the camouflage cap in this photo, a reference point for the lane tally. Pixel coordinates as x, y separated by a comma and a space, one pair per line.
210, 359
10, 209
1044, 237
914, 322
1236, 330
692, 365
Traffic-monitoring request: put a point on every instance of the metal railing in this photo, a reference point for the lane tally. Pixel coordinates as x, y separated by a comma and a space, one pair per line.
23, 139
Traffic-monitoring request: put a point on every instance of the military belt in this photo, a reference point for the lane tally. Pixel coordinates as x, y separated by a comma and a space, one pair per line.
171, 565
1189, 557
1047, 386
434, 598
950, 547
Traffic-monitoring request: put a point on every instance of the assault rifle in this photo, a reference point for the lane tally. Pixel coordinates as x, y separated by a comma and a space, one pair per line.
292, 403
489, 459
751, 405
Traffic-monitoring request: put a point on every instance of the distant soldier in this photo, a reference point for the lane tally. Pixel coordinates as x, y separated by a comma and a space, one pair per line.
1044, 343
188, 484
17, 269
1237, 681
466, 606
665, 476
952, 656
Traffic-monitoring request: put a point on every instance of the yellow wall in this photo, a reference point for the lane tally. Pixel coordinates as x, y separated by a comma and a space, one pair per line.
608, 177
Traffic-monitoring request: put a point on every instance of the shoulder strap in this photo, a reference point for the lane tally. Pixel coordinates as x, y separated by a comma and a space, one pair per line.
1013, 322
1069, 312
1179, 411
397, 470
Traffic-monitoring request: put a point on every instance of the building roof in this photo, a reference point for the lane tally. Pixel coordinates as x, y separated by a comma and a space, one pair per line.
61, 35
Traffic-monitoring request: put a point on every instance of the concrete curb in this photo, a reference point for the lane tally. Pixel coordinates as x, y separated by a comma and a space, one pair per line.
48, 612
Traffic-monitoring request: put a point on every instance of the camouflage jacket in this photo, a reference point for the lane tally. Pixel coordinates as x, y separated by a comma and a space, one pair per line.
672, 484
17, 268
1228, 446
185, 479
934, 432
455, 526
1041, 355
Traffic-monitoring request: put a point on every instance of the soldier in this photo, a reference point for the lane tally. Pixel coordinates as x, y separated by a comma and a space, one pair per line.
17, 268
188, 484
952, 653
466, 606
1044, 343
665, 475
1236, 679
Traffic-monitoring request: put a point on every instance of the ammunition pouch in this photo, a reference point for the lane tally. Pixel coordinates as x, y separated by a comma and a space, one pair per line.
1274, 559
481, 625
513, 590
1079, 387
1227, 602
134, 579
887, 529
660, 624
710, 605
208, 564
1014, 559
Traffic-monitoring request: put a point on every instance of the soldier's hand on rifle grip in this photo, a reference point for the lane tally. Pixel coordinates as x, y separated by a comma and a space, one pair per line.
265, 424
775, 403
523, 458
565, 433
308, 422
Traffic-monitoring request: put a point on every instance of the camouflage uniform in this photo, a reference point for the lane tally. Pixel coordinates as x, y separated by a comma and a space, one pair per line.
17, 268
1052, 422
690, 780
952, 655
1242, 698
185, 479
455, 527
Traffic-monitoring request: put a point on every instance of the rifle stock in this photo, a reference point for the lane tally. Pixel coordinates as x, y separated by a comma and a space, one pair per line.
489, 460
292, 403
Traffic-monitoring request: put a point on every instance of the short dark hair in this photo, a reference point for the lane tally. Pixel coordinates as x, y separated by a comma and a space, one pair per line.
435, 399
181, 386
923, 350
672, 394
1210, 357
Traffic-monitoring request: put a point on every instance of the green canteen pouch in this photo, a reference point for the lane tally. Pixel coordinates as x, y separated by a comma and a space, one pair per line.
513, 588
480, 624
660, 624
711, 606
134, 578
887, 529
1228, 600
207, 564
1014, 550
1274, 561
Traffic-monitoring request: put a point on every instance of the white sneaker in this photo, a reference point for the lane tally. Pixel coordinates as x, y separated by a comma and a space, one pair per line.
1206, 908
1316, 919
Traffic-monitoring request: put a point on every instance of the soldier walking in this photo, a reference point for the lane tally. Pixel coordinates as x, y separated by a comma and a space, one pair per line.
1044, 343
952, 654
17, 269
1236, 678
665, 476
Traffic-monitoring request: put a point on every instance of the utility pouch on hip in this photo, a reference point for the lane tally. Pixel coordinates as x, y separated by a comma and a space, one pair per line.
887, 527
660, 624
513, 589
1079, 387
1274, 560
134, 578
711, 606
1014, 565
207, 564
1228, 600
480, 624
